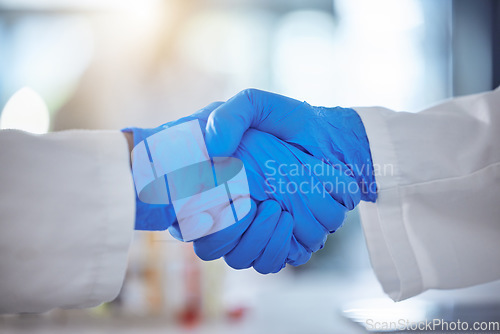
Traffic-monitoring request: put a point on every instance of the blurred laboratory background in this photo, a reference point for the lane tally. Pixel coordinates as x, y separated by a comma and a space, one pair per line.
109, 64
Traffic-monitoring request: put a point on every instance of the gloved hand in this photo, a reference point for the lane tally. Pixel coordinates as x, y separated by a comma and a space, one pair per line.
263, 238
283, 179
270, 237
334, 135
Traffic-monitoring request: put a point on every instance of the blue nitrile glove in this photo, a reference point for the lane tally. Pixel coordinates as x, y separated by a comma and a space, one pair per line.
159, 217
268, 242
334, 135
265, 227
263, 239
309, 193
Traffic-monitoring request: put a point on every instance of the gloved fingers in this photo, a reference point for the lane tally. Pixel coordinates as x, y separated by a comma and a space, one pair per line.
317, 207
332, 176
307, 229
344, 189
290, 185
328, 212
282, 171
256, 237
273, 259
315, 216
315, 211
297, 255
249, 108
318, 195
216, 245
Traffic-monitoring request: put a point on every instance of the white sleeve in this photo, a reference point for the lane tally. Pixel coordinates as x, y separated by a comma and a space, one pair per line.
66, 218
436, 222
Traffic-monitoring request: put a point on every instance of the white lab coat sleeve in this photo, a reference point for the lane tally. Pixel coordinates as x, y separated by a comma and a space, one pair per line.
67, 210
436, 222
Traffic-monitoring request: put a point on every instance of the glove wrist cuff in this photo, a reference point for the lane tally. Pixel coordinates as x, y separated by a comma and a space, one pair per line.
360, 163
150, 217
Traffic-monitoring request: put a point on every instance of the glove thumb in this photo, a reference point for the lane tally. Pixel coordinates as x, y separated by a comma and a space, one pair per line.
265, 111
227, 124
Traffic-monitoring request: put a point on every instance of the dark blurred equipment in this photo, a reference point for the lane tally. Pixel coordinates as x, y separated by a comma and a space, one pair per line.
475, 46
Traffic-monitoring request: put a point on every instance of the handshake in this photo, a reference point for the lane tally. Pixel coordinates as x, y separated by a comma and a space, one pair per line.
303, 168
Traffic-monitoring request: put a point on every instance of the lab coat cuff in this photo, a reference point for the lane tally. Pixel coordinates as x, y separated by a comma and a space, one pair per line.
117, 193
391, 254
